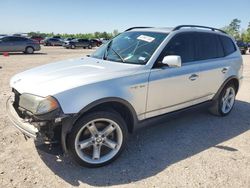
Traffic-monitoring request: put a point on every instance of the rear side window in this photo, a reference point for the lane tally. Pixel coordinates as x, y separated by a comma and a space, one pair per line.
19, 39
208, 46
182, 45
228, 45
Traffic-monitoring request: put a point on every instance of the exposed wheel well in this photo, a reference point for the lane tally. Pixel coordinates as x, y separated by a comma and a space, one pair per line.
231, 80
235, 82
118, 107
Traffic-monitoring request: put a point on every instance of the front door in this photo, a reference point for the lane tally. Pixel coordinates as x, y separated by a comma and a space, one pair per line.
171, 89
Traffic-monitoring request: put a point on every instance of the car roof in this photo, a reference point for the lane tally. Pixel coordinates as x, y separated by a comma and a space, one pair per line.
154, 29
181, 28
11, 36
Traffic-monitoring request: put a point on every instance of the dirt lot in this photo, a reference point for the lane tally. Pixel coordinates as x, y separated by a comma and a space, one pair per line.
186, 150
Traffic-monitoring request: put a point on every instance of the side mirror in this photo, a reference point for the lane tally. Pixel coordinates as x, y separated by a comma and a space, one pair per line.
172, 61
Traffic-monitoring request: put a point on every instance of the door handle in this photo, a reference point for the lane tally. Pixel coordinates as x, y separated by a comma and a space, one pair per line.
193, 77
224, 70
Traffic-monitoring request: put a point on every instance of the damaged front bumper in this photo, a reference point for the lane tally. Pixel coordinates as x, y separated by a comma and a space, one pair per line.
25, 127
47, 128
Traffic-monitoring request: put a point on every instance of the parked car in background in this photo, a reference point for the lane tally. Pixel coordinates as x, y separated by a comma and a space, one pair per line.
78, 43
103, 40
242, 46
69, 39
37, 38
18, 44
53, 42
96, 42
90, 104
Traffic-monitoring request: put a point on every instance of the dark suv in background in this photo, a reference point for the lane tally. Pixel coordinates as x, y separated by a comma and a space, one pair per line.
18, 44
78, 43
242, 46
96, 42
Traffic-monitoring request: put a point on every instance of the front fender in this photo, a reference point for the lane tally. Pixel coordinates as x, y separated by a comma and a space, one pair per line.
132, 89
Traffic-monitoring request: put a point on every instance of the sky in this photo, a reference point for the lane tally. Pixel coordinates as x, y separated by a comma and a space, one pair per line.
81, 16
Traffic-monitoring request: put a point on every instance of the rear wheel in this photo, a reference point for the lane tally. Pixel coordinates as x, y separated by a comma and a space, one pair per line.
225, 102
72, 46
29, 50
97, 139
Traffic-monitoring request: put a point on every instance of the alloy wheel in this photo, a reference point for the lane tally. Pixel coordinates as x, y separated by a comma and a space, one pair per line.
98, 141
228, 100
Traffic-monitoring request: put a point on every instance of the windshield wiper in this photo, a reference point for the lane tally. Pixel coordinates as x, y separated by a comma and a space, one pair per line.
107, 50
118, 54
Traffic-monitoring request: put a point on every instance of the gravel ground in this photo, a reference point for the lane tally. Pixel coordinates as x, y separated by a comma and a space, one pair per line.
184, 150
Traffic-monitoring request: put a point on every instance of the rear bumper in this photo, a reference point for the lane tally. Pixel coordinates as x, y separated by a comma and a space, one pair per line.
37, 48
25, 127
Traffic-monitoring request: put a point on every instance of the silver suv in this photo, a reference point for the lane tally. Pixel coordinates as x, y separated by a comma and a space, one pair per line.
90, 104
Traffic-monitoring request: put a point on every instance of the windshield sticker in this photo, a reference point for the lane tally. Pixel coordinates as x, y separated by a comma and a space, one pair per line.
146, 38
142, 58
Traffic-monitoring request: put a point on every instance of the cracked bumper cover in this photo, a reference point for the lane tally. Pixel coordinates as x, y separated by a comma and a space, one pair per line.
25, 127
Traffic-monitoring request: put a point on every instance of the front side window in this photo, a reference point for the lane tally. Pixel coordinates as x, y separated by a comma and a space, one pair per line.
130, 47
181, 45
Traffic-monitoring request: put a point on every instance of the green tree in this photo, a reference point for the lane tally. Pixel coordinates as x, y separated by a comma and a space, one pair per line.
233, 28
246, 35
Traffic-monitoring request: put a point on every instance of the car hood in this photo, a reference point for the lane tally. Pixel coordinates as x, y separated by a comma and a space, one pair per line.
57, 77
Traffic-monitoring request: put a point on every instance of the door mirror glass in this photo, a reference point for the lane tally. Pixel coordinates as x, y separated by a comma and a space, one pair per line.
172, 61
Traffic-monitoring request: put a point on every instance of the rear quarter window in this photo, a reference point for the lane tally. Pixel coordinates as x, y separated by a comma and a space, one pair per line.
228, 45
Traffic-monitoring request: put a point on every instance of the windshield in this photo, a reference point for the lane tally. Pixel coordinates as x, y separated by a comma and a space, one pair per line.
130, 47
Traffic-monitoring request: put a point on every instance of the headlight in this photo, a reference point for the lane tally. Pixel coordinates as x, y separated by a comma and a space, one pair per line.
38, 105
47, 105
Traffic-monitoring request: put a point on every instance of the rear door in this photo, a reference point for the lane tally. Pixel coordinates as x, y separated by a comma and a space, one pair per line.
212, 64
19, 43
58, 42
80, 43
86, 42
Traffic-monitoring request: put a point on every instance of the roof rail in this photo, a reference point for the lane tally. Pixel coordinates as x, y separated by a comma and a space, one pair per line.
131, 28
198, 26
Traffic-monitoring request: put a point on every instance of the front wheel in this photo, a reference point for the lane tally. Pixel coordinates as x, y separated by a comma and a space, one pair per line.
97, 139
225, 102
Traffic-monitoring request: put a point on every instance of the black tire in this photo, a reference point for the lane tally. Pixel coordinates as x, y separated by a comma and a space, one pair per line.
29, 50
84, 120
216, 108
